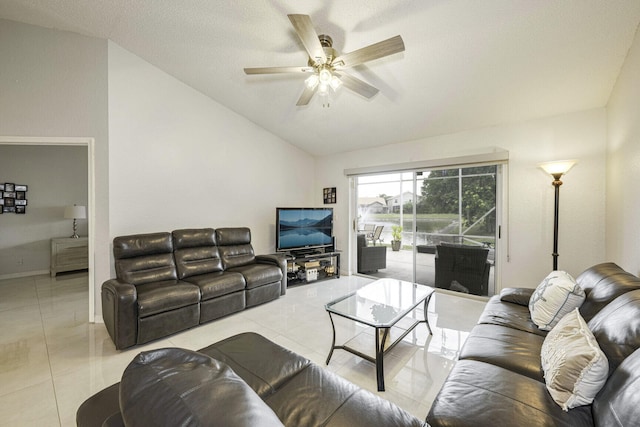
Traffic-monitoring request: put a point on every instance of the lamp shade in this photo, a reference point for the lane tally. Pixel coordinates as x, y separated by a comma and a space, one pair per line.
558, 167
75, 212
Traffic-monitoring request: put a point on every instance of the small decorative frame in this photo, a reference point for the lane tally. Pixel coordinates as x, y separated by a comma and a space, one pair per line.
13, 198
329, 195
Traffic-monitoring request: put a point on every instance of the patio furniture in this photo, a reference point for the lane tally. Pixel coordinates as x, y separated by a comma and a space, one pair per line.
462, 268
435, 239
370, 258
376, 235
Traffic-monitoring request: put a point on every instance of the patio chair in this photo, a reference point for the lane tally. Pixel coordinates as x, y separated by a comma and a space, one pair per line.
462, 268
370, 258
375, 236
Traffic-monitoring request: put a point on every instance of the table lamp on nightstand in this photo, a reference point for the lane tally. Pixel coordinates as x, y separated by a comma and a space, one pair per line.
75, 212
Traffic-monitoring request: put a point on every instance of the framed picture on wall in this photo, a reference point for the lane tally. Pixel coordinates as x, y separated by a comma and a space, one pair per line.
329, 195
21, 209
21, 187
20, 202
9, 202
9, 186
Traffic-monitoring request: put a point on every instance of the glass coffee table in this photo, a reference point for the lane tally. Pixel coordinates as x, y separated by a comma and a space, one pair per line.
383, 305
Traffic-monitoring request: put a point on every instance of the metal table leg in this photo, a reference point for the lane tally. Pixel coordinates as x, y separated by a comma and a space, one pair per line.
333, 340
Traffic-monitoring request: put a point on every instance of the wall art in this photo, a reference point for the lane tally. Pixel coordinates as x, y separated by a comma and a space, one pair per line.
13, 198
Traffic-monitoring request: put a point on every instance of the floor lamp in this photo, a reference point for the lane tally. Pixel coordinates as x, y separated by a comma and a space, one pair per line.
556, 170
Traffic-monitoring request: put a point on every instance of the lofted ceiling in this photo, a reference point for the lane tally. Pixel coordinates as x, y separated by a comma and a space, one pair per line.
467, 64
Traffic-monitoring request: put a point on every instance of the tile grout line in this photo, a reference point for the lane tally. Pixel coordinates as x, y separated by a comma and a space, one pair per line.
46, 345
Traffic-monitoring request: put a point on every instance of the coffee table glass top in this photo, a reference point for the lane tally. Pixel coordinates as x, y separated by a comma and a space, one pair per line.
381, 303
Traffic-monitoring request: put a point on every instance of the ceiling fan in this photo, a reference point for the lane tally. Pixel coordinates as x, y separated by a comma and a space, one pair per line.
326, 67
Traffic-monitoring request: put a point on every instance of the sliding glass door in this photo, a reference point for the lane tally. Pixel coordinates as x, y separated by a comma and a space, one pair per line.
448, 219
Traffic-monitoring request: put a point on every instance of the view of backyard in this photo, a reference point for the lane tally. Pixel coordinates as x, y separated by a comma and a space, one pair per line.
432, 207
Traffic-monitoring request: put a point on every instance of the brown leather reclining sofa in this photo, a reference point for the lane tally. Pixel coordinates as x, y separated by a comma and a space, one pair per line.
498, 379
169, 282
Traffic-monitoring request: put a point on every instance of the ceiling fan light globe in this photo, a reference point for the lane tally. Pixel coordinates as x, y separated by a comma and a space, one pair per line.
323, 87
312, 81
325, 76
335, 83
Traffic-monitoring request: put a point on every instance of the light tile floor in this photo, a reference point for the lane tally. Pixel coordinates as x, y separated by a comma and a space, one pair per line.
52, 358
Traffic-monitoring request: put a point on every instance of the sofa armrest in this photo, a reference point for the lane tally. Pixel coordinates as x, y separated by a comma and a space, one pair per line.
520, 296
119, 312
279, 261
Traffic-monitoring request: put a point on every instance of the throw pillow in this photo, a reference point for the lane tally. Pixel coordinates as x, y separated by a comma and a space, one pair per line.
574, 366
554, 297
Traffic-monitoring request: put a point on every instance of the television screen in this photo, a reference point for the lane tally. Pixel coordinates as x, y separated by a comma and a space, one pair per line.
300, 228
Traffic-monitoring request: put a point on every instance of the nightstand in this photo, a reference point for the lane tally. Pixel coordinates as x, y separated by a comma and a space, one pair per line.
68, 254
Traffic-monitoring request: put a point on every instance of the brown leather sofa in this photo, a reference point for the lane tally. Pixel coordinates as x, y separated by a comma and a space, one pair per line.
498, 379
169, 282
244, 380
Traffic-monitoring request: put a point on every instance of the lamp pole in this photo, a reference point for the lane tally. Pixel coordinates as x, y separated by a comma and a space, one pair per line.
556, 170
556, 183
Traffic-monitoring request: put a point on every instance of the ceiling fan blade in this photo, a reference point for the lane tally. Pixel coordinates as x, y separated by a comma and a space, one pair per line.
357, 85
304, 28
371, 52
306, 96
277, 70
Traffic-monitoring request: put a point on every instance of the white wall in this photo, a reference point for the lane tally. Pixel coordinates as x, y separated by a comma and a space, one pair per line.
54, 84
180, 160
580, 135
623, 165
56, 177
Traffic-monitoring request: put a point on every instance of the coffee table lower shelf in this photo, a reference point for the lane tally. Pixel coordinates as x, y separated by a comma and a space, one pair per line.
386, 338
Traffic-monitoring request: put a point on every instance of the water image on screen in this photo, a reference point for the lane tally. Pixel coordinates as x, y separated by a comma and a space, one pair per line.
299, 228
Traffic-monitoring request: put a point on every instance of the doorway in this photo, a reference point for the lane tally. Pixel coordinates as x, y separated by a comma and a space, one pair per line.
90, 144
440, 226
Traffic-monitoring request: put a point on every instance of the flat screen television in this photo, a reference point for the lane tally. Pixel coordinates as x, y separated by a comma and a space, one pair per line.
300, 229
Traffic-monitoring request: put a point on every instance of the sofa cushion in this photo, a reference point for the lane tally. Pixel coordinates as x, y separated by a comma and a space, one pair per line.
555, 296
618, 403
172, 386
158, 297
512, 349
258, 274
338, 403
478, 394
602, 284
575, 369
235, 246
617, 328
196, 252
520, 296
213, 285
262, 364
498, 312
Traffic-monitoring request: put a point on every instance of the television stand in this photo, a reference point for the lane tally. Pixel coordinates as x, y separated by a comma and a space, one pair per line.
310, 266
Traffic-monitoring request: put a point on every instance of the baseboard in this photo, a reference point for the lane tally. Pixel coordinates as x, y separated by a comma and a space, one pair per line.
24, 274
97, 318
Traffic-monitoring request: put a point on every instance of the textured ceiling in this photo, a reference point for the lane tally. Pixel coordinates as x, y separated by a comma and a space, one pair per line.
467, 64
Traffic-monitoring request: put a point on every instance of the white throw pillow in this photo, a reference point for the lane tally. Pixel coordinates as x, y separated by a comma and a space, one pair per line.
554, 297
575, 369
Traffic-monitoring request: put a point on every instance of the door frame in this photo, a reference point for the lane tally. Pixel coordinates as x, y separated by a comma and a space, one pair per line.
72, 141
